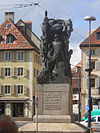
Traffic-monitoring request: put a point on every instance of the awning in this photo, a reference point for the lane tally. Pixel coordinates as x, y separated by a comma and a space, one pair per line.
13, 99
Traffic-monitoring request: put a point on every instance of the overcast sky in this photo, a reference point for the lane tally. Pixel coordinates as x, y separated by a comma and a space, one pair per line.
75, 10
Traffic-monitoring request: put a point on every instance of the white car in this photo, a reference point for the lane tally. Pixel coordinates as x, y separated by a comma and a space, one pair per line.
95, 122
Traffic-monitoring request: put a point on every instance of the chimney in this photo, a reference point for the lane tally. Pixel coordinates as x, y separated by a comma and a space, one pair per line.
9, 15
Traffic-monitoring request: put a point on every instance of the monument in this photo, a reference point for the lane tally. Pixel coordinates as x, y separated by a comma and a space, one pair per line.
54, 80
54, 90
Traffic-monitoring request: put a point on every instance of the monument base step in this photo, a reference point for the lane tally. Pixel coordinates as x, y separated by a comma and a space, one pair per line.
54, 128
53, 119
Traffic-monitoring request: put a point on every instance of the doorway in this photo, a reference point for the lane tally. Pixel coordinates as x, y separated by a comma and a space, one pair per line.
18, 109
2, 108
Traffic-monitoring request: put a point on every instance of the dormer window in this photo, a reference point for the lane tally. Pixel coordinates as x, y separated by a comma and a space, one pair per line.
1, 38
8, 26
98, 35
10, 38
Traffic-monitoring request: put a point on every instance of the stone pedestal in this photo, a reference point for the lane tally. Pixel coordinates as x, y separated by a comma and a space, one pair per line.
55, 103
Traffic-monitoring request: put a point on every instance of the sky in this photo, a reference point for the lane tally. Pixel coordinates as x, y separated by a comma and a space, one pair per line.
75, 10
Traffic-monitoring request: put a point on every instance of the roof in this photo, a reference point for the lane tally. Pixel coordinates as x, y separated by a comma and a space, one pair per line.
75, 67
22, 41
24, 22
94, 41
27, 21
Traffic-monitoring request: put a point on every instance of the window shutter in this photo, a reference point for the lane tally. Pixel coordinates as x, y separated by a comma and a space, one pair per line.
12, 72
15, 89
97, 82
13, 56
24, 56
2, 56
15, 72
28, 91
25, 72
2, 72
87, 52
87, 83
25, 90
97, 65
12, 90
97, 51
2, 89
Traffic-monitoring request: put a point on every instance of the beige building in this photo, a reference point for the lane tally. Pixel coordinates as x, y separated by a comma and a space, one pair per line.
19, 66
95, 74
76, 78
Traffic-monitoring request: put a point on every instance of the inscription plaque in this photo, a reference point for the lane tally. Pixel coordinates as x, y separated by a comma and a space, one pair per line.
52, 100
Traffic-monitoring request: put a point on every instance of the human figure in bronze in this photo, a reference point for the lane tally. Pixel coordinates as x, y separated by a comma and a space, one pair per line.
54, 48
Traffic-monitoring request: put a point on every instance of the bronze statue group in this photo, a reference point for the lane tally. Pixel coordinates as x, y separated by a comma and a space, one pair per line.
54, 49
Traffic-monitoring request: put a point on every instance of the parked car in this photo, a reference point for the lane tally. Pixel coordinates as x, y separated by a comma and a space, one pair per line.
95, 119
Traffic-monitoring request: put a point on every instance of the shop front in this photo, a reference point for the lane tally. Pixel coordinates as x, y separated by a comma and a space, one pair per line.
15, 108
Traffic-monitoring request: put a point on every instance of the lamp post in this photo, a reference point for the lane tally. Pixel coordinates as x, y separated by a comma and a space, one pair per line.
79, 92
89, 19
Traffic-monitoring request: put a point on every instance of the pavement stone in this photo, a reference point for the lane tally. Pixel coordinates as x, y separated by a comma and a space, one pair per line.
54, 127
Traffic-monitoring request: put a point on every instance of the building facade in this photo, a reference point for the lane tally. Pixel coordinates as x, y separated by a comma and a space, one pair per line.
76, 78
95, 74
19, 65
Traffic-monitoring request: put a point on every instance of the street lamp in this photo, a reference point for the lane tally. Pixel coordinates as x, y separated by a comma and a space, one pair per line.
79, 92
89, 19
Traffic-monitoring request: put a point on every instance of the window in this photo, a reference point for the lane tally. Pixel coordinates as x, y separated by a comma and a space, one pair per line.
20, 56
20, 89
10, 38
8, 26
93, 65
98, 35
20, 71
18, 109
92, 82
95, 102
37, 58
75, 101
75, 90
98, 119
7, 56
23, 28
93, 119
7, 89
92, 51
7, 71
37, 72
